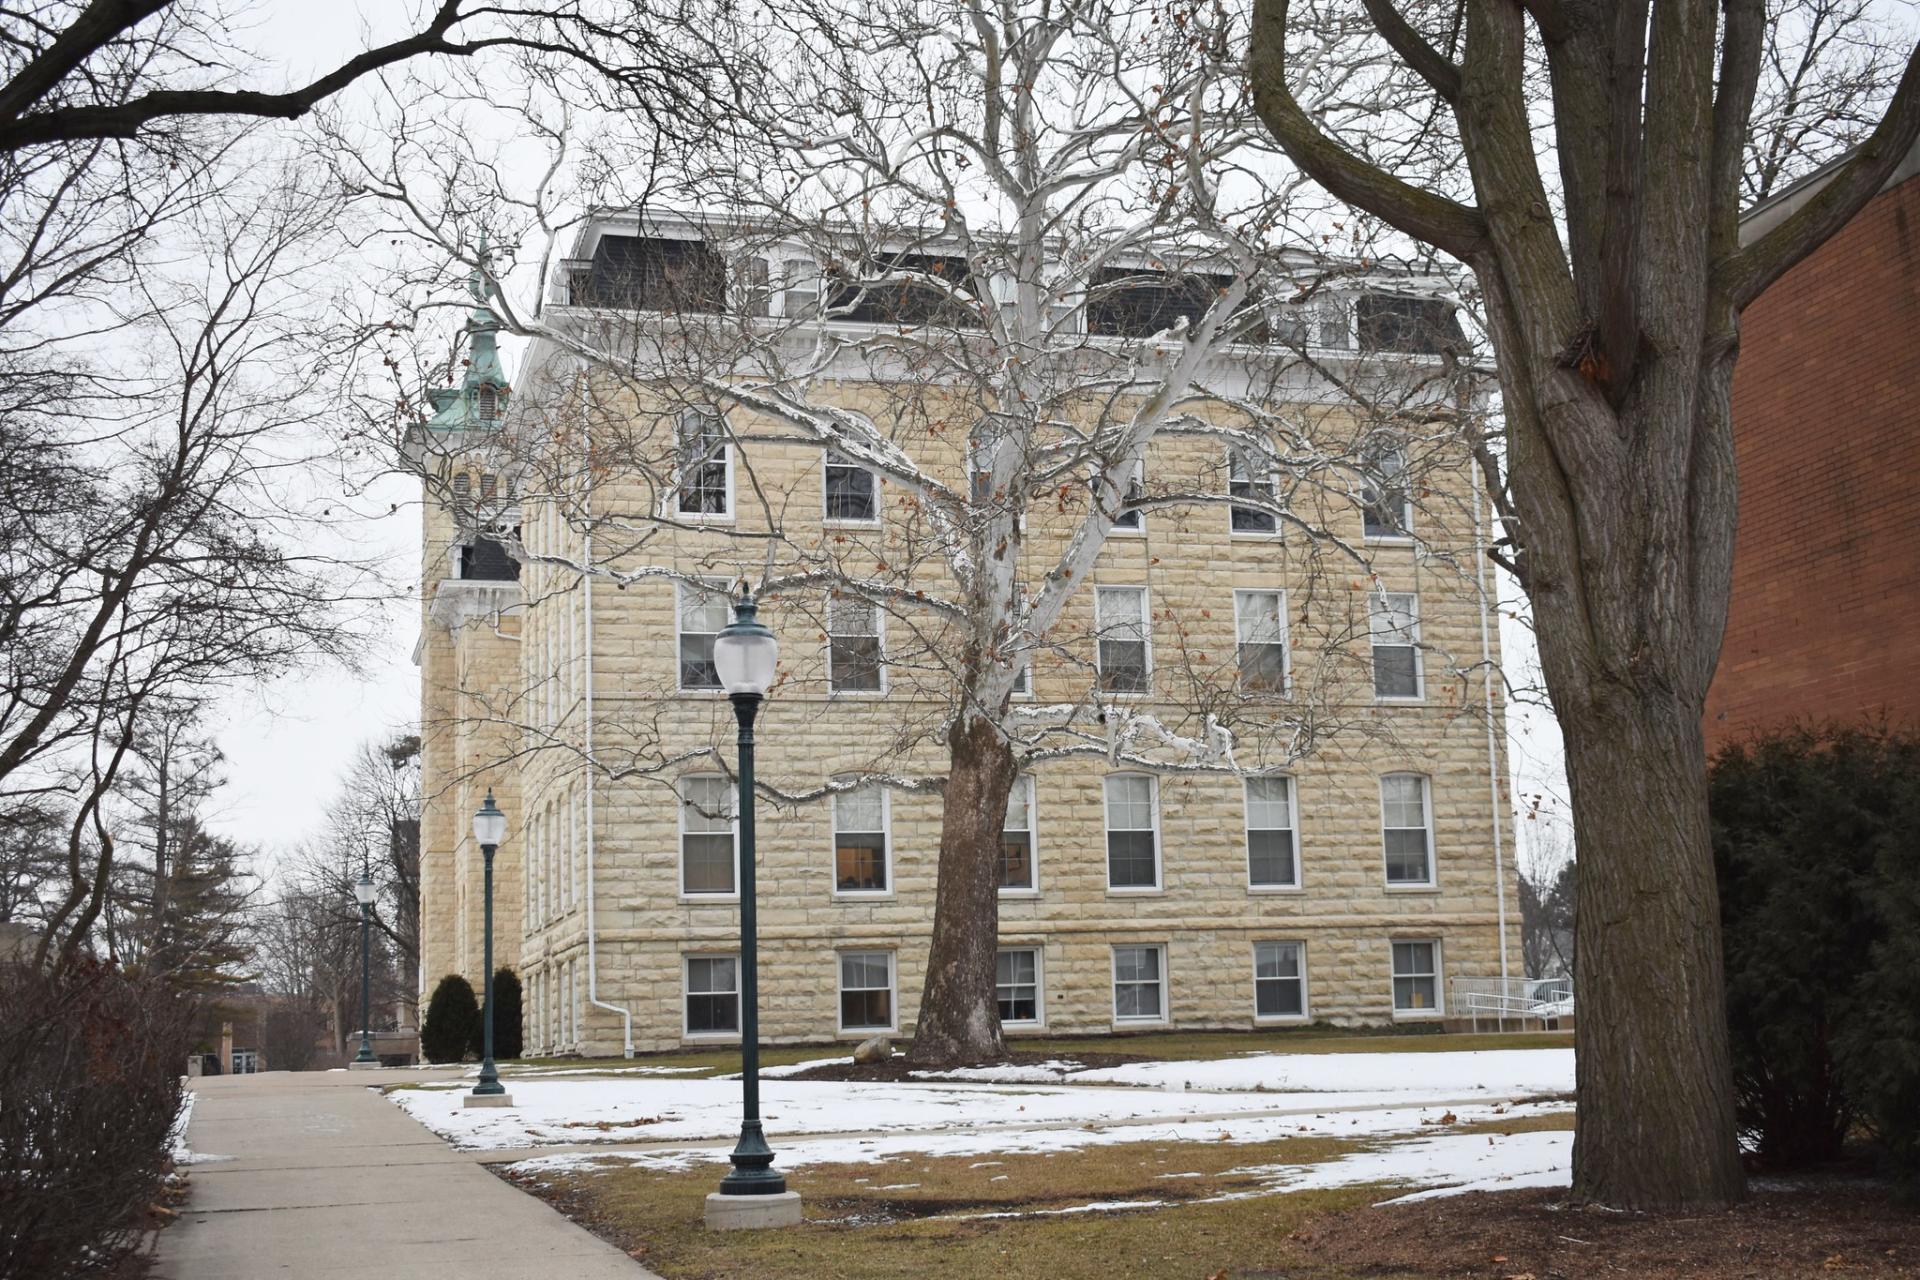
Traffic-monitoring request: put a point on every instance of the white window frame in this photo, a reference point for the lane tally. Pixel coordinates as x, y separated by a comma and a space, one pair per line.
886, 840
726, 459
1306, 999
1273, 490
1285, 642
1406, 534
1033, 838
807, 283
1293, 816
1039, 952
1113, 985
680, 588
840, 990
687, 993
680, 840
1146, 639
1412, 642
1439, 1009
832, 458
879, 634
1107, 830
1426, 812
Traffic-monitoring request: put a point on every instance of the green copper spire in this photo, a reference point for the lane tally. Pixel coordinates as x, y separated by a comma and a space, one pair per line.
480, 399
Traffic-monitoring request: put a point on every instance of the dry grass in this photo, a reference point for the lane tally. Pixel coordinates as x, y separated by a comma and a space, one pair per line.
918, 1216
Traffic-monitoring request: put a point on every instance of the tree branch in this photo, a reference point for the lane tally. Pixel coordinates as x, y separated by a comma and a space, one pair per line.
1428, 62
1449, 226
1747, 275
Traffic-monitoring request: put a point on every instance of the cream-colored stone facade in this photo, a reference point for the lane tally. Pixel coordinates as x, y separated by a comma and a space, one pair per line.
596, 817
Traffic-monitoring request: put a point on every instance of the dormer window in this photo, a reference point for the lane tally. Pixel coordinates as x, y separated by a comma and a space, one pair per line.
901, 299
1418, 326
653, 273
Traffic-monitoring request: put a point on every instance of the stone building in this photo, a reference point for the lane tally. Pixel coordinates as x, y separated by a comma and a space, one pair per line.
1347, 883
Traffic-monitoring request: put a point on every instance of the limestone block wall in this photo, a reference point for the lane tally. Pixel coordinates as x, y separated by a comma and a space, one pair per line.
1328, 733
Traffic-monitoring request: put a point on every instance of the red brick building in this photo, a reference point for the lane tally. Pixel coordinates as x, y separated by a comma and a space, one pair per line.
1825, 616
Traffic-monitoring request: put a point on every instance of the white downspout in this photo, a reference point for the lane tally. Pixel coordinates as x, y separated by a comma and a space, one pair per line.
1493, 746
586, 591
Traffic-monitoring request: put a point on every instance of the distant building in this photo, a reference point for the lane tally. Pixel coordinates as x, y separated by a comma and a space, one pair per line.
1352, 889
1825, 616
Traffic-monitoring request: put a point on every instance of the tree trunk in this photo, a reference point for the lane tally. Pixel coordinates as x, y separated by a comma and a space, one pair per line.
1656, 1125
959, 1014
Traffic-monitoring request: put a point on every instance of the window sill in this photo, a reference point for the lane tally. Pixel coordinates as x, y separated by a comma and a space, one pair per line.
1036, 1025
1412, 888
709, 899
865, 1033
1414, 701
1160, 1021
710, 1037
688, 517
1419, 1015
857, 695
1389, 539
842, 522
1281, 1019
1254, 535
1276, 890
863, 895
1149, 891
1121, 695
1020, 894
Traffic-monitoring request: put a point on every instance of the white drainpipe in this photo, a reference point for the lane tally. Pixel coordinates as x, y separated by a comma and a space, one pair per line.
593, 950
1493, 746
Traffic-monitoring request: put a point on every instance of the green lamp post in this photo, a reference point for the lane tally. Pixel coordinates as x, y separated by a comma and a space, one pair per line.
745, 655
363, 894
489, 829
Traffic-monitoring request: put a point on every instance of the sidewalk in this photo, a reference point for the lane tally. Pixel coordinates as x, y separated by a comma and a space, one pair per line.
327, 1178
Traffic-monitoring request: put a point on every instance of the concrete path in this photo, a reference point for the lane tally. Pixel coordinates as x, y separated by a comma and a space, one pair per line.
327, 1178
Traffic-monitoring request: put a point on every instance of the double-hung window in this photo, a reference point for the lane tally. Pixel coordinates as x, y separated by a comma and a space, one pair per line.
702, 613
1016, 838
1125, 655
852, 491
707, 860
866, 990
1140, 984
713, 996
1260, 623
706, 464
860, 840
1017, 985
1393, 626
1250, 477
1405, 832
1386, 501
1416, 977
1279, 980
1272, 855
854, 658
1133, 837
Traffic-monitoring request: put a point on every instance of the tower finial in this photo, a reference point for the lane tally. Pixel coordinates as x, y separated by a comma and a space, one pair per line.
477, 279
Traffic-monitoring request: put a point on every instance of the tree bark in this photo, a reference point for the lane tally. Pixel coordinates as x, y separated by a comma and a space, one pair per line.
1652, 1068
959, 1012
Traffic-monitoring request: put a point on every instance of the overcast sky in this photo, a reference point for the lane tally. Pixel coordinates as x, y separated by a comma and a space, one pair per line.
288, 744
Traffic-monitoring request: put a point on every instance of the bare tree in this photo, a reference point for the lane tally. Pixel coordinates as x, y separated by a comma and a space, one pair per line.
1615, 326
1087, 301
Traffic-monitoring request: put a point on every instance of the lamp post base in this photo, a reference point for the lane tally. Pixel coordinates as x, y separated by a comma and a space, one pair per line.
487, 1100
357, 1065
736, 1213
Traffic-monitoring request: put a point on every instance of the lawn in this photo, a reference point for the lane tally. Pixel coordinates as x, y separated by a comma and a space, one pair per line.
1201, 1208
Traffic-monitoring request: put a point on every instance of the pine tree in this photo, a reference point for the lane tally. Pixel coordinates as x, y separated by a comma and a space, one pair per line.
507, 1037
453, 1019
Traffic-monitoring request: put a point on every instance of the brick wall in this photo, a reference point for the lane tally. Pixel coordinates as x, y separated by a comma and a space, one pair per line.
1826, 410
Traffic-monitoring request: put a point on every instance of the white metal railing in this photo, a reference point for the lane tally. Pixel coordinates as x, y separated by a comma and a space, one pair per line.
1501, 1000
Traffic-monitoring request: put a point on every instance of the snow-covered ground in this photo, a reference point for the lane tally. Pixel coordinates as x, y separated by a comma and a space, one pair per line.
1024, 1110
1442, 1074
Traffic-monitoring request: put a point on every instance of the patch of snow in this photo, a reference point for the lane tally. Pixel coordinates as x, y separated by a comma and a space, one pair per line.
795, 1068
177, 1136
1098, 1206
1447, 1073
1448, 1164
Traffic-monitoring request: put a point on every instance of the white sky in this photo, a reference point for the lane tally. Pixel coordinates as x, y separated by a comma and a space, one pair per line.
288, 744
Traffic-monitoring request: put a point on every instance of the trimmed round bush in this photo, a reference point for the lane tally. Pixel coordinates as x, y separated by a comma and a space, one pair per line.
452, 1021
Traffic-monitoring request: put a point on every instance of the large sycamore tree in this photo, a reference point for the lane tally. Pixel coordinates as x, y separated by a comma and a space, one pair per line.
1613, 278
